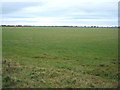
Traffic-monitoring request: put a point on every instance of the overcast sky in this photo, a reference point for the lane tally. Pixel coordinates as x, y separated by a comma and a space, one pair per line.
60, 12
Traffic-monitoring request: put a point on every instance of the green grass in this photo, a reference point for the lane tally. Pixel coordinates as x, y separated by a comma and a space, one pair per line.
60, 57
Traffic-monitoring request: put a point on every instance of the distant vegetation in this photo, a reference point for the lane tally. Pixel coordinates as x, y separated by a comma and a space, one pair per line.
57, 26
60, 57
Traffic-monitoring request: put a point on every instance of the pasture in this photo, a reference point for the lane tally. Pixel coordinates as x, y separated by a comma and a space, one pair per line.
60, 57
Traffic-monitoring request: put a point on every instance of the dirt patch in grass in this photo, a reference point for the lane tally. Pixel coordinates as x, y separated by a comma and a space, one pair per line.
10, 68
49, 56
45, 56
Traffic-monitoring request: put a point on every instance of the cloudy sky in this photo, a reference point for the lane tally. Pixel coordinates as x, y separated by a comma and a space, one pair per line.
60, 12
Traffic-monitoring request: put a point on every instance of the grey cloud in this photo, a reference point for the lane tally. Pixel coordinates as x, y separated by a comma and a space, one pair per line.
10, 7
75, 11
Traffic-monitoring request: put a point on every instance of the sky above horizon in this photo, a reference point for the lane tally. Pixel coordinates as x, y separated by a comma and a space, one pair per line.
60, 12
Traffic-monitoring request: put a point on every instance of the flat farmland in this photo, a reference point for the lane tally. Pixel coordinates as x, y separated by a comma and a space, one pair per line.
60, 57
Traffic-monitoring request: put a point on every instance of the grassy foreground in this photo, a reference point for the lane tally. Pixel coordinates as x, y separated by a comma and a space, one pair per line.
60, 57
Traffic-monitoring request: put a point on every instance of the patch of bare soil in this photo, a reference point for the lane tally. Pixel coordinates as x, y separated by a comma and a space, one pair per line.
46, 56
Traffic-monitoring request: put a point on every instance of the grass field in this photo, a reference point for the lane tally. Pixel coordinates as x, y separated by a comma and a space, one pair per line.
60, 57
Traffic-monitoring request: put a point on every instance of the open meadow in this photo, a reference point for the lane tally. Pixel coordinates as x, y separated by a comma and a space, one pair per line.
60, 57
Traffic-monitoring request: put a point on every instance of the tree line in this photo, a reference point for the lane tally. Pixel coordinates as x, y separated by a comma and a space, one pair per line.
56, 26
